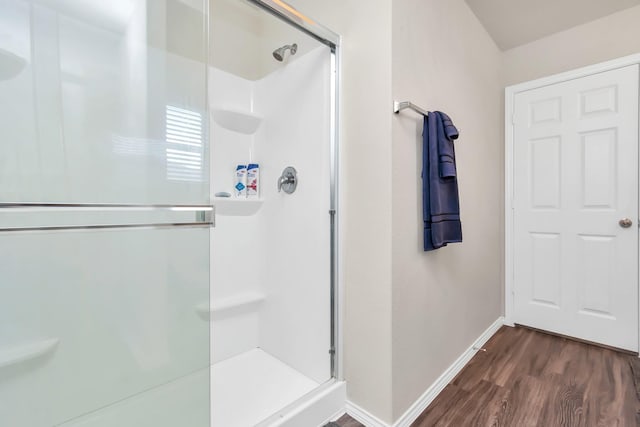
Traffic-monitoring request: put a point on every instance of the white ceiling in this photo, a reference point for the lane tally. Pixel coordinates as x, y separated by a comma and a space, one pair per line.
513, 23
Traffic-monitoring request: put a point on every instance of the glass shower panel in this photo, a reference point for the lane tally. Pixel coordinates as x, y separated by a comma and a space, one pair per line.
103, 102
88, 319
104, 270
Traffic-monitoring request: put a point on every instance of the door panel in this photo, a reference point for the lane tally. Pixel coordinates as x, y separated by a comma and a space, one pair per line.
597, 258
546, 269
545, 172
599, 158
575, 177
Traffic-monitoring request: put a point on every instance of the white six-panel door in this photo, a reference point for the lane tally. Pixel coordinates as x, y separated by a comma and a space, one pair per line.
575, 177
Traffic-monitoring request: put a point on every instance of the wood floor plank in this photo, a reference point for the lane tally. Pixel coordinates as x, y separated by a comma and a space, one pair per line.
478, 411
520, 407
564, 405
460, 416
452, 398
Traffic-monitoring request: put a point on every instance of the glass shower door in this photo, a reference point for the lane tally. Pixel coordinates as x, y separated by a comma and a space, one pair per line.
104, 213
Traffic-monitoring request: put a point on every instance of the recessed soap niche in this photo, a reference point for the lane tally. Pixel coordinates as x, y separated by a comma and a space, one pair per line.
233, 138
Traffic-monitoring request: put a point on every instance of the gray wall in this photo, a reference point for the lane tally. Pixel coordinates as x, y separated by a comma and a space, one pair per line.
608, 38
443, 59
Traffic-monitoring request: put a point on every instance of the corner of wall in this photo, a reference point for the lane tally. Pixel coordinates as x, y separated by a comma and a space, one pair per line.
365, 178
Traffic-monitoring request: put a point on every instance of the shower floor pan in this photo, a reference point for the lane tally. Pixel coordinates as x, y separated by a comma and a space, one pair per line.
250, 387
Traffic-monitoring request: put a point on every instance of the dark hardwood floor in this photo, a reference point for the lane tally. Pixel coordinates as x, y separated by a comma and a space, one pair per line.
528, 378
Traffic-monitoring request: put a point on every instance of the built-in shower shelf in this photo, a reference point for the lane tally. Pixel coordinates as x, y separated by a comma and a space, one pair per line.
205, 310
28, 351
238, 121
229, 206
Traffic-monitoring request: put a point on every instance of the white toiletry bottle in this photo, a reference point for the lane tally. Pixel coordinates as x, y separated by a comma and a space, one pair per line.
241, 181
253, 180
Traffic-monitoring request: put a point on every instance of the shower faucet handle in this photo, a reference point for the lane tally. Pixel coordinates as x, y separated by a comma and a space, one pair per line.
288, 181
282, 181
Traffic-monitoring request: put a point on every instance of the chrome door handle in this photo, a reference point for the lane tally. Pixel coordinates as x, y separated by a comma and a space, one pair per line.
625, 223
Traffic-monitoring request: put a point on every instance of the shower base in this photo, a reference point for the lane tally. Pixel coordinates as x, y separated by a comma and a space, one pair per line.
250, 387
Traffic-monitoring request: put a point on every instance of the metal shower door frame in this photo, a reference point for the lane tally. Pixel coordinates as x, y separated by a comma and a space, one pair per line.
293, 17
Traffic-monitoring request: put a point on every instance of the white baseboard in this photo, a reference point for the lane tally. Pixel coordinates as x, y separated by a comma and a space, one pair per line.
432, 392
364, 417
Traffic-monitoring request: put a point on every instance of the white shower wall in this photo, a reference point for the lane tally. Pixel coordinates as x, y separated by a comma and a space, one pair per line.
233, 239
295, 317
283, 250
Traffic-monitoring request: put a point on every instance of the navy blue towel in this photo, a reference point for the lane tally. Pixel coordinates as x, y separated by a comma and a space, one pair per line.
440, 203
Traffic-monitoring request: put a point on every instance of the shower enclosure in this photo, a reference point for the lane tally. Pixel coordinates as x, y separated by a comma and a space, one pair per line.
272, 94
133, 291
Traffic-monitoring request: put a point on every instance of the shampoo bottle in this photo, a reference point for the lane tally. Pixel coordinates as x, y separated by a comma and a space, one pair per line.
241, 181
253, 180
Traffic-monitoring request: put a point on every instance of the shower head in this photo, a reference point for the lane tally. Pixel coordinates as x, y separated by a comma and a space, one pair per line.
279, 53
